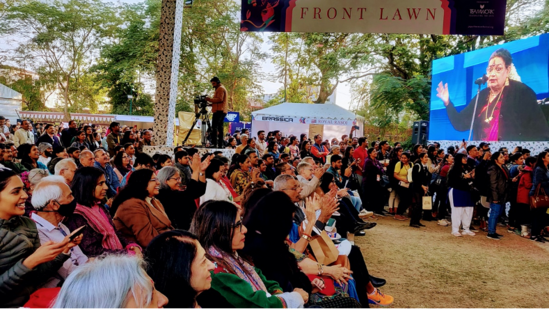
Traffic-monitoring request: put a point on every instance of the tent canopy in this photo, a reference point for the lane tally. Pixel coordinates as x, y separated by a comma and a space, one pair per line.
330, 120
305, 110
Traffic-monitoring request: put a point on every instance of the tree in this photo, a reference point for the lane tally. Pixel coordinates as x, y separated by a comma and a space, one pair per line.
61, 35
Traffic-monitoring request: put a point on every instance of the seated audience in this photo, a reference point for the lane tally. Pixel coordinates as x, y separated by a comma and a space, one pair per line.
138, 215
90, 190
113, 281
181, 268
53, 201
180, 204
219, 228
26, 265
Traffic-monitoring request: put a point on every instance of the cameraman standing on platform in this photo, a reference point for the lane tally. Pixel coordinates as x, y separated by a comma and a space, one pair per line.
219, 110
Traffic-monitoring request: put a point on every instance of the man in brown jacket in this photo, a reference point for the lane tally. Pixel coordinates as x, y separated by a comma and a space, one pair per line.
219, 110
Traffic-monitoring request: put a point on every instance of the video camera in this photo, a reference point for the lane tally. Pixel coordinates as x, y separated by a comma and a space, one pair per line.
201, 104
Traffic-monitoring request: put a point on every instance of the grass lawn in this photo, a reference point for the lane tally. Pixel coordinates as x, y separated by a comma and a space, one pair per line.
428, 267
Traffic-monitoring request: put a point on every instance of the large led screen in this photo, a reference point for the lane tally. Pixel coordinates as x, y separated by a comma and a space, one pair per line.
513, 102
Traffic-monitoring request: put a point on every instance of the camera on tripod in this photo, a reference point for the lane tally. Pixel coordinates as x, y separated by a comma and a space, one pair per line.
200, 103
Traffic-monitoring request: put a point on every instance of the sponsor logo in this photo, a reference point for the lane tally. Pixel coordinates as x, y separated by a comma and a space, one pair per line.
281, 119
482, 11
231, 117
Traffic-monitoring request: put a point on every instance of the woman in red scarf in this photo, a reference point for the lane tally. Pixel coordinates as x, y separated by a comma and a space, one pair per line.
100, 236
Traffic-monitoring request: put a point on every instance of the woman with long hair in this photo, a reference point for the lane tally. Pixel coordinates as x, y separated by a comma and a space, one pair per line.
231, 143
497, 197
163, 160
25, 263
220, 230
89, 188
294, 148
129, 137
241, 176
121, 165
29, 155
270, 222
138, 215
272, 149
416, 150
421, 179
403, 186
80, 141
373, 171
459, 195
180, 268
90, 139
394, 158
305, 149
440, 202
216, 189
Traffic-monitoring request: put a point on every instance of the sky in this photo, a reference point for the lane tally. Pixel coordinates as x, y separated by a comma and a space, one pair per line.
343, 96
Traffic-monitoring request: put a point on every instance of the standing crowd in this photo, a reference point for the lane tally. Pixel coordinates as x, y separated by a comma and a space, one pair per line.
88, 219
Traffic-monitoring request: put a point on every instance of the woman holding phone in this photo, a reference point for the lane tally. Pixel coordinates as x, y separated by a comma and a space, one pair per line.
25, 263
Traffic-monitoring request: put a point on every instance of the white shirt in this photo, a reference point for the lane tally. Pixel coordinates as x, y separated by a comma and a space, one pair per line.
45, 160
23, 136
47, 232
261, 146
215, 191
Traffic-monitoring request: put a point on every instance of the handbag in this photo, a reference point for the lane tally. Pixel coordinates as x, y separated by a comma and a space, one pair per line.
329, 287
323, 248
539, 199
427, 202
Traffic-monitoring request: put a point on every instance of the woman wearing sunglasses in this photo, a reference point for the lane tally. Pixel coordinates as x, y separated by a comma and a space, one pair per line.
218, 226
138, 215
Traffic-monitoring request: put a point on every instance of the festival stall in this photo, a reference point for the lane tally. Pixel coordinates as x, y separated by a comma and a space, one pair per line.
330, 120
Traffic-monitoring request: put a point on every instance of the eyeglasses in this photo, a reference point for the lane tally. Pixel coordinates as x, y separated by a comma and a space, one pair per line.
292, 189
238, 224
498, 68
154, 180
175, 178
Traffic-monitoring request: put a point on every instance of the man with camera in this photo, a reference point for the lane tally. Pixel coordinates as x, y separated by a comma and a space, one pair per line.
219, 110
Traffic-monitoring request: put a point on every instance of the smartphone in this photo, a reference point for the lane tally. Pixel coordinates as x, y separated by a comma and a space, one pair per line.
356, 128
79, 231
463, 140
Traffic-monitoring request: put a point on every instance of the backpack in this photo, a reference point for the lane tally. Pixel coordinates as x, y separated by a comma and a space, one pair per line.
410, 180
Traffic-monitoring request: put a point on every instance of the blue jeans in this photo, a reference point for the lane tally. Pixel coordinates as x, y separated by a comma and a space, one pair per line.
357, 203
495, 212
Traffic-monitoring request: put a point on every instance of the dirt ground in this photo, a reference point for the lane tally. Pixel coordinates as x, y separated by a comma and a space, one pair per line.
428, 267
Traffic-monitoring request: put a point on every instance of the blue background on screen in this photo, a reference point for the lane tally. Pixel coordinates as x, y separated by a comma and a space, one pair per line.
531, 59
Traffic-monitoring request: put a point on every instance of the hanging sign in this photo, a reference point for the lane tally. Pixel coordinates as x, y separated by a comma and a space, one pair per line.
483, 17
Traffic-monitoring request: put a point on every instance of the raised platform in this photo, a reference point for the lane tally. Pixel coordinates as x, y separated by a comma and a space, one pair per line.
534, 147
168, 150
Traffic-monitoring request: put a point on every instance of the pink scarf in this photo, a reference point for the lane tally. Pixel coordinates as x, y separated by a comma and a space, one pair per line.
98, 222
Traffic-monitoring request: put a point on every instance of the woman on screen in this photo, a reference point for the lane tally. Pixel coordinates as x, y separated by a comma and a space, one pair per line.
507, 109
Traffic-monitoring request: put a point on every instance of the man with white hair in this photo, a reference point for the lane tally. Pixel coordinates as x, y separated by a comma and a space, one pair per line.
53, 201
308, 177
244, 141
66, 169
86, 158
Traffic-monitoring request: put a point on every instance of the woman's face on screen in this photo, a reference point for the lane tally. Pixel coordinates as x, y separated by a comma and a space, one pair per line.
497, 73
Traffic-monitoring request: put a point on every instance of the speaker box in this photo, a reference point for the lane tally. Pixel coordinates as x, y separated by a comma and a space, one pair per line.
420, 132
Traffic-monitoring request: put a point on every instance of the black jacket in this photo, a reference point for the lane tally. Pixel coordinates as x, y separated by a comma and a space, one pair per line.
499, 183
180, 205
457, 181
482, 180
420, 177
67, 135
521, 118
19, 239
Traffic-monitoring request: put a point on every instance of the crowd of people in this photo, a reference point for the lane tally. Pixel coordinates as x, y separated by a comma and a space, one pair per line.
88, 219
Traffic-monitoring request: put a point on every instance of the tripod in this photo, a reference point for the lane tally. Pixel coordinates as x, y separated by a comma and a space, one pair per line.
204, 116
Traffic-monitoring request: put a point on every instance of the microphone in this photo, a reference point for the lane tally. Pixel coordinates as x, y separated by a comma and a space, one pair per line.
481, 80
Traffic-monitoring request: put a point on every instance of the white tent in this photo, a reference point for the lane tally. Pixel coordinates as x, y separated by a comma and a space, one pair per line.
10, 102
330, 120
